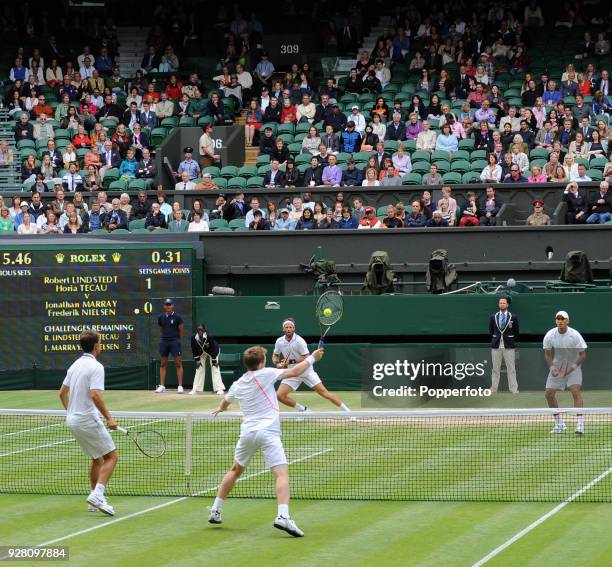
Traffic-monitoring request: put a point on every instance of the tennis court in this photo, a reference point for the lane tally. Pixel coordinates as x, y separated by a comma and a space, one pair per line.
382, 490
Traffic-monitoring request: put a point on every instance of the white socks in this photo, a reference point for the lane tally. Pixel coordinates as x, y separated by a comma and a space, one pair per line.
344, 407
218, 504
299, 407
99, 489
559, 419
580, 420
283, 510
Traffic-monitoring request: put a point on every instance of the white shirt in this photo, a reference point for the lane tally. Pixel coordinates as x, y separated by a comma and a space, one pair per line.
256, 395
248, 219
566, 346
85, 374
295, 347
201, 226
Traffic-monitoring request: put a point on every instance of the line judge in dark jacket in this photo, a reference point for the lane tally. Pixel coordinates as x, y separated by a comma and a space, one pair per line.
504, 330
204, 346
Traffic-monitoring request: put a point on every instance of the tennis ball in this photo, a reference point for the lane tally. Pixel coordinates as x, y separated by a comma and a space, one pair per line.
327, 312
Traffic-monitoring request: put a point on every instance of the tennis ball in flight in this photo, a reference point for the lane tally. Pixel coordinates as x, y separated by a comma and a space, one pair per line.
327, 312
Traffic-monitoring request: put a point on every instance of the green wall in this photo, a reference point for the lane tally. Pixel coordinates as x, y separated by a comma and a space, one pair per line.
403, 315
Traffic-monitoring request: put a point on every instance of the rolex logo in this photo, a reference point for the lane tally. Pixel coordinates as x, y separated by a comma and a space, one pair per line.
116, 257
59, 257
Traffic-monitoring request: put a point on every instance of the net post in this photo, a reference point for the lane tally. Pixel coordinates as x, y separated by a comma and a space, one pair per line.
188, 444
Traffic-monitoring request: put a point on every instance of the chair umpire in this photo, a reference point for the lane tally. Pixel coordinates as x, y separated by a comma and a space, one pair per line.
504, 330
204, 346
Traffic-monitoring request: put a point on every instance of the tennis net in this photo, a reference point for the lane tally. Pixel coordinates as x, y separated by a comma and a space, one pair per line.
484, 455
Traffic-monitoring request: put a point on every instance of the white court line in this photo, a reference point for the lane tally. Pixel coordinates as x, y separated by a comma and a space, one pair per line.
542, 519
28, 430
170, 503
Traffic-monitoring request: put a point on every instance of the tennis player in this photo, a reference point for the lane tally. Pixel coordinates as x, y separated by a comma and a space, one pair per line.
260, 429
289, 350
564, 352
81, 395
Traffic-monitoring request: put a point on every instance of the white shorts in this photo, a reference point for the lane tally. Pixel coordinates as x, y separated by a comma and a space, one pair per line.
556, 383
93, 437
268, 441
311, 379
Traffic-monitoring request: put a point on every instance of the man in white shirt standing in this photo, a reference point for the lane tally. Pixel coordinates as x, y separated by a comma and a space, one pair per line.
260, 430
564, 352
81, 395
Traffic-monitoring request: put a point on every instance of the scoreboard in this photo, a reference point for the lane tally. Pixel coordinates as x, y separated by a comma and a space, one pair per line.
50, 294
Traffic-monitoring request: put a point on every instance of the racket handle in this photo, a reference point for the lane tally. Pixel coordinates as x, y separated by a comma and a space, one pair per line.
321, 344
123, 430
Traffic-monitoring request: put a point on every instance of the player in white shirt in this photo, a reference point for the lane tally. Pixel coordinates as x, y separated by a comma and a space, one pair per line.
81, 395
564, 352
289, 350
260, 429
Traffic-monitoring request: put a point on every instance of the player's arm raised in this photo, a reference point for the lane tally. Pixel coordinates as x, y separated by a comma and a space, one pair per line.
301, 367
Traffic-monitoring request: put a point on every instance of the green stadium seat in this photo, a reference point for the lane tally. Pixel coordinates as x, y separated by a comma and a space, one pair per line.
229, 171
478, 155
460, 155
440, 155
538, 153
348, 98
187, 121
212, 169
420, 167
361, 156
478, 165
302, 128
466, 144
236, 183
242, 229
137, 185
287, 138
137, 223
236, 223
452, 178
302, 158
294, 149
170, 122
411, 179
272, 125
263, 169
595, 174
471, 177
461, 166
264, 159
247, 171
421, 155
121, 231
139, 231
255, 182
540, 162
222, 229
342, 157
218, 223
598, 163
391, 146
158, 135
61, 134
221, 182
117, 185
204, 120
110, 176
442, 165
288, 128
25, 145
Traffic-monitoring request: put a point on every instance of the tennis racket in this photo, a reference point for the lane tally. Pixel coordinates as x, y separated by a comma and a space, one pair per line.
328, 311
150, 443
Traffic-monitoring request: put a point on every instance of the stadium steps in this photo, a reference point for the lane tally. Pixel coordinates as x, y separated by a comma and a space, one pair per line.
10, 176
250, 152
132, 44
369, 42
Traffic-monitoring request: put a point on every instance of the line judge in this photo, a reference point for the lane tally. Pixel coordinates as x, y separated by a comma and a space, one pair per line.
204, 347
504, 330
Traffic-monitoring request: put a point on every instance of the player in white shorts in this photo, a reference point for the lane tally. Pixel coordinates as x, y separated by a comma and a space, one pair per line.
81, 395
289, 350
564, 352
260, 430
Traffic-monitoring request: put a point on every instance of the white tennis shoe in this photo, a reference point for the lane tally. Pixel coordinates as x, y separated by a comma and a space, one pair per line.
180, 390
288, 525
215, 516
559, 428
100, 503
160, 389
220, 393
91, 508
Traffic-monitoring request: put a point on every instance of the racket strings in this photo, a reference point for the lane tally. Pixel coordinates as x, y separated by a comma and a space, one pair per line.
150, 443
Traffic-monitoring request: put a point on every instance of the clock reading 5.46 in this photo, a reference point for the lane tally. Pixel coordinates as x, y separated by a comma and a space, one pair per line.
166, 257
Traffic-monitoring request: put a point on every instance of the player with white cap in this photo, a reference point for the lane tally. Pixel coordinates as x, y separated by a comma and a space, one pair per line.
564, 352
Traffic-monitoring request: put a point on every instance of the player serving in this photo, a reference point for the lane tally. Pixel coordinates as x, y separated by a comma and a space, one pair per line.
81, 395
260, 429
289, 350
564, 351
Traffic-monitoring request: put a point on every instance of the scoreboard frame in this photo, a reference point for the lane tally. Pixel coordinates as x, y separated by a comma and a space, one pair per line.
106, 254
